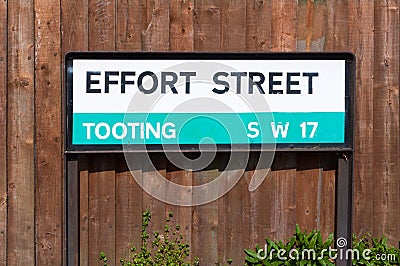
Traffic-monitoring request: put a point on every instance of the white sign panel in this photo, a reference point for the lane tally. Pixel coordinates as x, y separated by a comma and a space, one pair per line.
222, 99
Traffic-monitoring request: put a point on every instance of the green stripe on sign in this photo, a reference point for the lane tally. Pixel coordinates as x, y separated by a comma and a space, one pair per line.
207, 128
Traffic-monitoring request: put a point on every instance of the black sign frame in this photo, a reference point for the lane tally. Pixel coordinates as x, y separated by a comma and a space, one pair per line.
111, 148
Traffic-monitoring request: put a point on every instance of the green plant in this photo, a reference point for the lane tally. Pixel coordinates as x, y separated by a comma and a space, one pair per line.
365, 251
166, 248
228, 262
301, 249
374, 251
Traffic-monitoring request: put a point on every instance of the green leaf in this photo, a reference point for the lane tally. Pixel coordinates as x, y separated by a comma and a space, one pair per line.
251, 253
319, 238
252, 259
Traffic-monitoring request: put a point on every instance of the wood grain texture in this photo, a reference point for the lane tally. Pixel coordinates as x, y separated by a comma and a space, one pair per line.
181, 29
205, 230
128, 210
315, 194
48, 161
102, 178
282, 215
153, 169
129, 20
312, 26
361, 42
326, 194
307, 179
181, 38
233, 26
156, 31
102, 209
386, 120
155, 38
259, 39
207, 26
338, 26
261, 202
234, 214
283, 26
282, 191
205, 227
3, 133
258, 26
236, 202
74, 25
182, 216
101, 27
20, 131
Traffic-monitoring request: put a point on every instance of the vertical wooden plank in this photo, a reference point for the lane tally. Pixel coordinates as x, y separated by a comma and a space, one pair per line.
181, 215
258, 25
155, 38
310, 32
181, 25
83, 211
205, 221
261, 202
233, 26
128, 194
258, 39
207, 25
234, 206
312, 25
282, 193
3, 133
338, 26
283, 189
101, 33
386, 119
49, 180
74, 22
128, 210
234, 209
326, 200
101, 25
361, 42
74, 25
150, 174
156, 32
129, 20
207, 37
284, 17
307, 178
102, 209
21, 249
181, 39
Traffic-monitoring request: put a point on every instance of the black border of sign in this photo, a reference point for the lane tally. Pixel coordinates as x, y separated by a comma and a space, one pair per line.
107, 148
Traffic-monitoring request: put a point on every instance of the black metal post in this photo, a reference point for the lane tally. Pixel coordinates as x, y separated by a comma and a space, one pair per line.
72, 211
344, 208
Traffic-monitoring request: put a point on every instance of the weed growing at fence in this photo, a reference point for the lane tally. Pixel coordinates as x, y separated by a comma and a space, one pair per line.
293, 252
162, 248
377, 251
310, 249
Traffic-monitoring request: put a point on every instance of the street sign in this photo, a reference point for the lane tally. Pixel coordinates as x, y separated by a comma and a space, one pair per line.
158, 101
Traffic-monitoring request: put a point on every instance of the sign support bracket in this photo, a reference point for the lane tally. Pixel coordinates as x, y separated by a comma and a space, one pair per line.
344, 208
71, 216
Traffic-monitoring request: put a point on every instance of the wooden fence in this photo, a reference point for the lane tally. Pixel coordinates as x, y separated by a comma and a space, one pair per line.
36, 34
